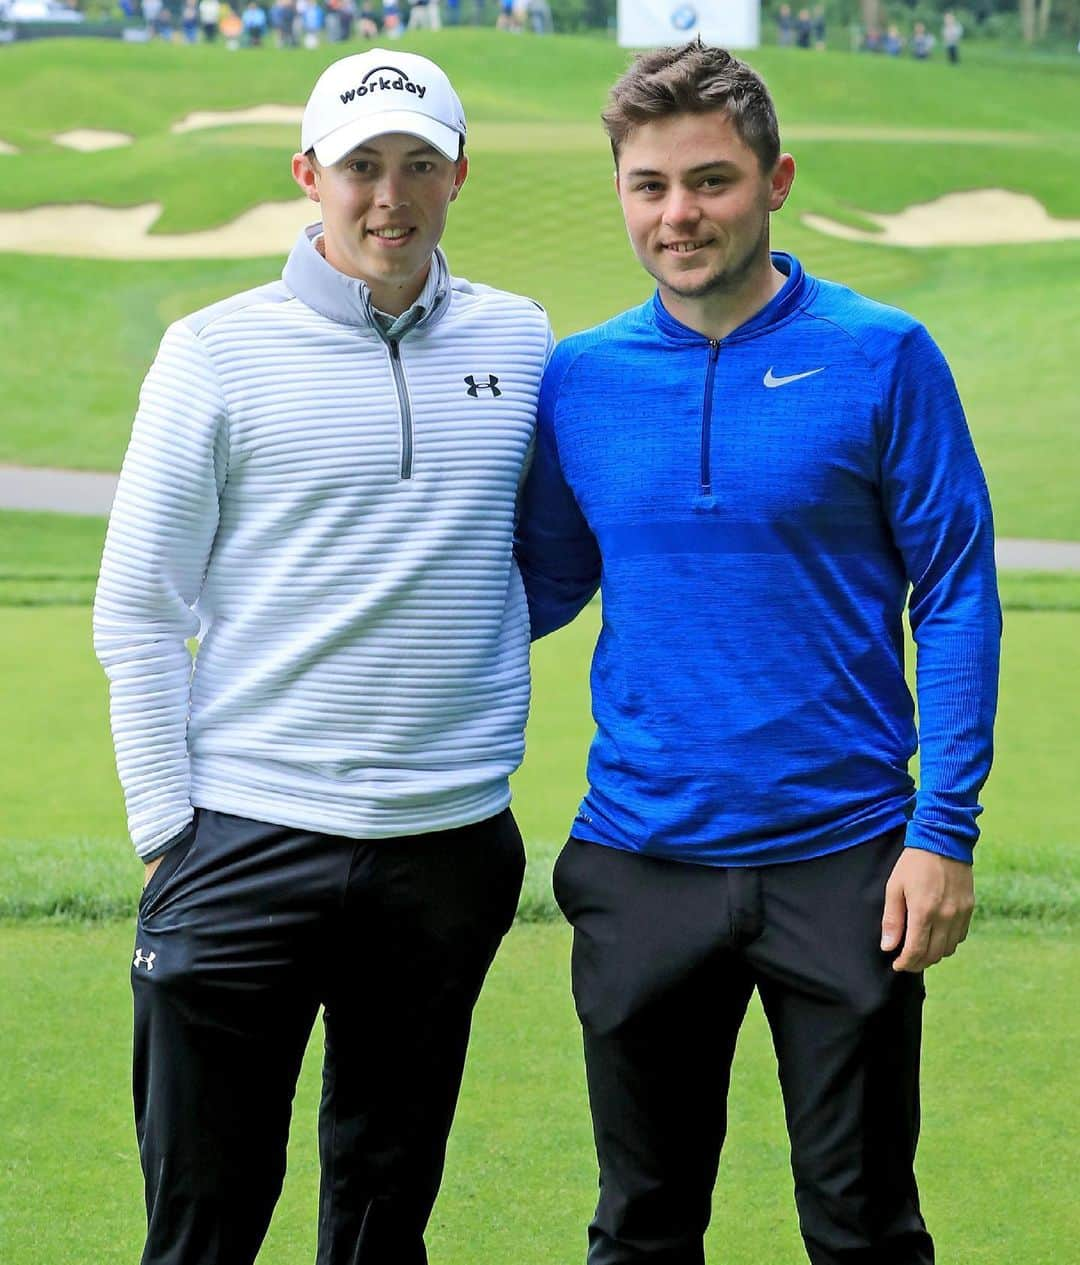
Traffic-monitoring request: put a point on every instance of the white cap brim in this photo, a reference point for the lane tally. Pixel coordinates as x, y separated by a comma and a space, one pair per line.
335, 145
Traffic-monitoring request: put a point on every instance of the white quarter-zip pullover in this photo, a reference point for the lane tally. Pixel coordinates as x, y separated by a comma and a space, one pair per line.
330, 512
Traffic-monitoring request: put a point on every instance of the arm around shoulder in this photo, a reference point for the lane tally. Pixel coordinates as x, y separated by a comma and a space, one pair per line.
553, 544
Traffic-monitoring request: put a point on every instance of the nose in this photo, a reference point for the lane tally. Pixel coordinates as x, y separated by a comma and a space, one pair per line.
390, 191
681, 207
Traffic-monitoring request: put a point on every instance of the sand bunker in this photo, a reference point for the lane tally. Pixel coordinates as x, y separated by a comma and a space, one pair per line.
980, 217
200, 119
89, 141
104, 232
5, 148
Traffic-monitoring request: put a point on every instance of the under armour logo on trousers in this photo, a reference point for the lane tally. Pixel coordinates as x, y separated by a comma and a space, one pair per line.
144, 959
476, 387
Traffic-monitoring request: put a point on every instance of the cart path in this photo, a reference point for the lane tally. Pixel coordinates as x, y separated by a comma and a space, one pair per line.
87, 492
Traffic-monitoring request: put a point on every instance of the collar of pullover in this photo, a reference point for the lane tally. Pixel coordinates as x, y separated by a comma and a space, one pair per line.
347, 300
783, 304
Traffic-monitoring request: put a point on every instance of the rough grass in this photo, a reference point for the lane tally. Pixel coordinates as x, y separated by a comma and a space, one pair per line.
996, 1158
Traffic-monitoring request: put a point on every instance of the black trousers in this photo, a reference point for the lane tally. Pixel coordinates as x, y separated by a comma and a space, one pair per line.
665, 958
244, 930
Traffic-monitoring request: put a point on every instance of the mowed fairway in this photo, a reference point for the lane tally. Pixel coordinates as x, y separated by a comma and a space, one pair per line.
996, 1161
538, 216
872, 137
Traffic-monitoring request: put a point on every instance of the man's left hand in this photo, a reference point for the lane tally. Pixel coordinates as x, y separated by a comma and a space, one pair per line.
928, 905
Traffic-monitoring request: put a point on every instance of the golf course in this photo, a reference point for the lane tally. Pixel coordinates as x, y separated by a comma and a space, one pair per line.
141, 182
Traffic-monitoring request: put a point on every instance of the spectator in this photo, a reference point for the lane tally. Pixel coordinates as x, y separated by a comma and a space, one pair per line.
424, 16
391, 11
819, 27
287, 31
804, 29
453, 12
785, 27
507, 19
151, 11
209, 17
314, 21
922, 42
367, 22
951, 34
894, 41
539, 14
232, 28
254, 23
189, 22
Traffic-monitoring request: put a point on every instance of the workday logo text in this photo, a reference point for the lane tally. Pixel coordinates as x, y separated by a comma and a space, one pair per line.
384, 79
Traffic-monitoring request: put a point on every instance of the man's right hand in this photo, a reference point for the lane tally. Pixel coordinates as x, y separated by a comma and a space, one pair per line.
151, 866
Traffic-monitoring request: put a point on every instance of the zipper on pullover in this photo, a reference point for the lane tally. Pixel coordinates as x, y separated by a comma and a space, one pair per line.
706, 418
404, 407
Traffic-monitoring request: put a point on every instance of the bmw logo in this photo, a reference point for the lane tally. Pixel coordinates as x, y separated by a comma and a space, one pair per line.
684, 18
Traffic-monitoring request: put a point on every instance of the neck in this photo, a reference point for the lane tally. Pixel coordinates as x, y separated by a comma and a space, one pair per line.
390, 297
394, 299
727, 307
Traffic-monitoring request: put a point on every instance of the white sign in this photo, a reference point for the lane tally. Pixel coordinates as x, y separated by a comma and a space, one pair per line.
656, 23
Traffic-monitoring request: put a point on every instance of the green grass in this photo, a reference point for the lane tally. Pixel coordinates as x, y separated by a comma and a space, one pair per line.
63, 849
996, 1158
538, 216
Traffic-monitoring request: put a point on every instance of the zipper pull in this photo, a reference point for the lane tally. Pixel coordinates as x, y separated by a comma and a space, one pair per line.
394, 348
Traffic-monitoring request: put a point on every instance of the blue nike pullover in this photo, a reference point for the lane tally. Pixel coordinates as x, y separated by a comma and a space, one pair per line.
754, 511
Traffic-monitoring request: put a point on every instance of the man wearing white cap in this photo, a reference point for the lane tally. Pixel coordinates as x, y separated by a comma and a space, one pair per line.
321, 486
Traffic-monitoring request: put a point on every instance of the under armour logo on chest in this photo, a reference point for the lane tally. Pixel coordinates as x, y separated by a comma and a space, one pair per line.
476, 387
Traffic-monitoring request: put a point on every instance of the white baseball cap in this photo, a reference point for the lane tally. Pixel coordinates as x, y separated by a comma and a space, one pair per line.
372, 93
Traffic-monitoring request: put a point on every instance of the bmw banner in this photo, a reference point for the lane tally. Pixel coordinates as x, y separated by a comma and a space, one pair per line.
652, 23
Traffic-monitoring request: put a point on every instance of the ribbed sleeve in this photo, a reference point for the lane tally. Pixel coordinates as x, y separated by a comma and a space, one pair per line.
162, 525
938, 507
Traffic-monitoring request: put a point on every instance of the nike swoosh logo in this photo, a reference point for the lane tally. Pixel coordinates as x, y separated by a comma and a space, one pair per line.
770, 381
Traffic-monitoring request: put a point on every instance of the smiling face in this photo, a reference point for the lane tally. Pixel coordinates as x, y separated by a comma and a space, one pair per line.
697, 204
383, 211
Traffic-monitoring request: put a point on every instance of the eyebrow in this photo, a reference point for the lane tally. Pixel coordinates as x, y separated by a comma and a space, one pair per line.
637, 172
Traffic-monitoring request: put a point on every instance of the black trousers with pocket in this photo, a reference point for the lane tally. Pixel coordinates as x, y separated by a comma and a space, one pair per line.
244, 930
665, 958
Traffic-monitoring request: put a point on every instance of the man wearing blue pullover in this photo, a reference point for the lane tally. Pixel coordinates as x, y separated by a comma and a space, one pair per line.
760, 470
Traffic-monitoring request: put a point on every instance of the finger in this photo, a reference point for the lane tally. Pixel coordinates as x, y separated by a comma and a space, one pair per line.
893, 917
957, 931
938, 946
916, 942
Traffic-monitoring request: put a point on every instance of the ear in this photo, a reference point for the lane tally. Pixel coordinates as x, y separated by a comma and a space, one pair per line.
306, 176
460, 172
783, 174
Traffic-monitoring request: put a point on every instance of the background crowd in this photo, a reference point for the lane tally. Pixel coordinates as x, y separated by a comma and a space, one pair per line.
307, 23
916, 28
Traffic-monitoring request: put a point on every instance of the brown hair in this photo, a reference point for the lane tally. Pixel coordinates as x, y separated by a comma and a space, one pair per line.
693, 79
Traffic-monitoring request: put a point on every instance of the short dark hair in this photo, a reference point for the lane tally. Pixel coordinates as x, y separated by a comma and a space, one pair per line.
693, 79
